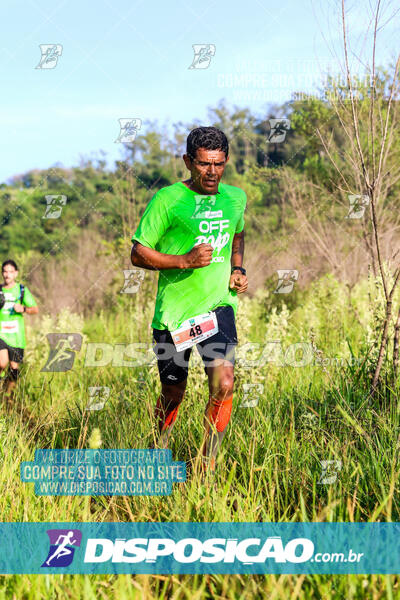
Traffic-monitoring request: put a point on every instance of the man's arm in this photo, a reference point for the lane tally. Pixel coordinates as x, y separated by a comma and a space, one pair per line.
237, 280
29, 310
237, 250
147, 258
28, 304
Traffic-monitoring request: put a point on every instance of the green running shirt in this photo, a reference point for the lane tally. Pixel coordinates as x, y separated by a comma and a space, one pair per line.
12, 328
175, 220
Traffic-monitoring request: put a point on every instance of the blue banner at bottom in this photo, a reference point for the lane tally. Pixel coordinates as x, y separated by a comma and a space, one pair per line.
218, 548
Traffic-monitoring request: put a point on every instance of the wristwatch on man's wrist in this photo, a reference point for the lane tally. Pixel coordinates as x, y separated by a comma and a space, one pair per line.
243, 271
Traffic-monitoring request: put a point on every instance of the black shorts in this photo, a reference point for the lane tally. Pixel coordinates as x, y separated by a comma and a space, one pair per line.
173, 366
14, 354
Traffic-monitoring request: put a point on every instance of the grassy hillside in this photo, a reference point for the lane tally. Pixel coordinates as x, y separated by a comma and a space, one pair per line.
270, 466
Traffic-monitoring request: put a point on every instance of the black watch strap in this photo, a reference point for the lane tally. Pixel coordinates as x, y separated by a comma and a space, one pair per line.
243, 271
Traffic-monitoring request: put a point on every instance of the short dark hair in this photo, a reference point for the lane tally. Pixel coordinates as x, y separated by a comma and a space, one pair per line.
9, 262
209, 138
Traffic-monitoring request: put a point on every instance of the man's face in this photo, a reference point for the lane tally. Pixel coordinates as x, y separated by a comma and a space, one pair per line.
9, 274
206, 169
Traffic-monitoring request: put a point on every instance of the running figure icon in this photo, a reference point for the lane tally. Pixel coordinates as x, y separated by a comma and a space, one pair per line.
63, 349
62, 549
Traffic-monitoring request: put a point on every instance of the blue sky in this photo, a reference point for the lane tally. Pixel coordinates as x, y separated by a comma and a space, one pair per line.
130, 59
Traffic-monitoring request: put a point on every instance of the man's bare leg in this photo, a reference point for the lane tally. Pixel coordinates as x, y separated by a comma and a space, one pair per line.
166, 409
3, 367
12, 380
218, 411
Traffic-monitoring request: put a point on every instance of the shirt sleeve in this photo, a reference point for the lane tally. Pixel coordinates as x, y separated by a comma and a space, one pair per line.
154, 222
28, 300
240, 223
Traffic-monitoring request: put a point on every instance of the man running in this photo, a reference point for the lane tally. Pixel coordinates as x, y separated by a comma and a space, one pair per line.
192, 232
15, 300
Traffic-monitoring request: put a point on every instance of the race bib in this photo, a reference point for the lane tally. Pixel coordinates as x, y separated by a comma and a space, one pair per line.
195, 330
9, 326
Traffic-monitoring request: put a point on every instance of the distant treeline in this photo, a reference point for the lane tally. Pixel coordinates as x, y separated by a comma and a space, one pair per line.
297, 212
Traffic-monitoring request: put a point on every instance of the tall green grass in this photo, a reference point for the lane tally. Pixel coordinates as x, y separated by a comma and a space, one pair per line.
270, 463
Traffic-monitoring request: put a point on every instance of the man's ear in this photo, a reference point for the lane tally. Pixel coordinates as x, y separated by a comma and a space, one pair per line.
187, 161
